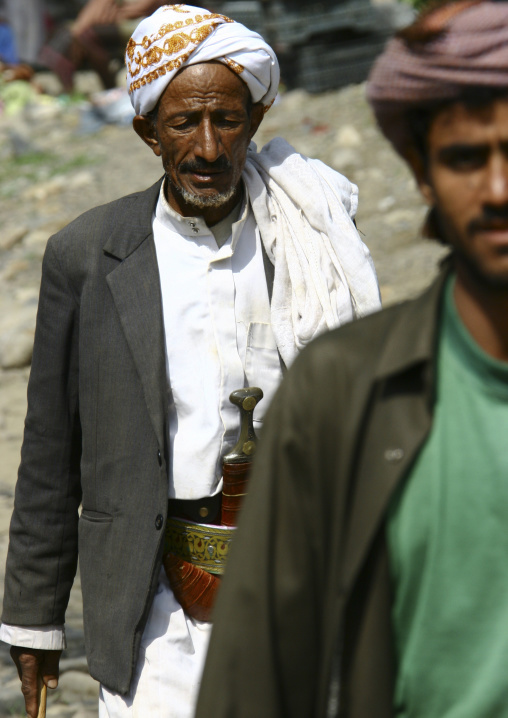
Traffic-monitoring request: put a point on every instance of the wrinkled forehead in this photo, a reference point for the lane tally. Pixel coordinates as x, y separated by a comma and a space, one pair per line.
206, 83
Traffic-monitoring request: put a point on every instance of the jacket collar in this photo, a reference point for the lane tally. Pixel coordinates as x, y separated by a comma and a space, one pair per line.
131, 222
413, 339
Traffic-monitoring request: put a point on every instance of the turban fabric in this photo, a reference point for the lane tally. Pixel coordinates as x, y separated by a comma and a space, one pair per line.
466, 46
179, 35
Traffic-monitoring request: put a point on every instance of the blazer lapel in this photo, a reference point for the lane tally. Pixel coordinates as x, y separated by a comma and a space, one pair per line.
135, 287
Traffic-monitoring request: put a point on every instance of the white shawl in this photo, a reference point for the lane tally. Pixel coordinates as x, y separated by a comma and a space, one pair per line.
324, 274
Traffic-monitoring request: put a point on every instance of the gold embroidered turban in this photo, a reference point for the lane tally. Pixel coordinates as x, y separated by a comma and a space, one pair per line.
179, 35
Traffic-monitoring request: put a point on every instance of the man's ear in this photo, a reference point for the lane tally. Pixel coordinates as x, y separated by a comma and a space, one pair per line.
144, 127
419, 166
420, 170
256, 117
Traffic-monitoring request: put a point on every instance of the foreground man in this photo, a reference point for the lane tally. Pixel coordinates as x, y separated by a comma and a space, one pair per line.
370, 577
153, 309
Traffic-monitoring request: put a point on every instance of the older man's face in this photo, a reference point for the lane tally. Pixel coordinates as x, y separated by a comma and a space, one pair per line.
204, 126
467, 182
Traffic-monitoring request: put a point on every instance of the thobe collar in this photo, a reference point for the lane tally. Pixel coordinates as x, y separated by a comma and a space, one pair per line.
196, 227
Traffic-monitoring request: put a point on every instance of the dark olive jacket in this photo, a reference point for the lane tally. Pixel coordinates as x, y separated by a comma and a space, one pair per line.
302, 626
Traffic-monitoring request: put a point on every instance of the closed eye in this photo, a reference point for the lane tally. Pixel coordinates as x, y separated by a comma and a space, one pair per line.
183, 124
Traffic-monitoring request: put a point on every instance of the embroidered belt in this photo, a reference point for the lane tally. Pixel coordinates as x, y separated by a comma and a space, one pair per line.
203, 545
194, 560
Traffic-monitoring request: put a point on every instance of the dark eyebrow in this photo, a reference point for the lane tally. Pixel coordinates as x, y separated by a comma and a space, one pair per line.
465, 147
463, 152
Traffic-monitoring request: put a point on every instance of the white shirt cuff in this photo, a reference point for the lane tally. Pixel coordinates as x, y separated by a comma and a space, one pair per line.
48, 638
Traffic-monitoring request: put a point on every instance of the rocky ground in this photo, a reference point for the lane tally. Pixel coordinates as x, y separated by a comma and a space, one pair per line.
51, 171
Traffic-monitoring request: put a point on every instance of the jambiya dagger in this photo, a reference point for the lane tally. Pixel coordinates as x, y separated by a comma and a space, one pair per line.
195, 553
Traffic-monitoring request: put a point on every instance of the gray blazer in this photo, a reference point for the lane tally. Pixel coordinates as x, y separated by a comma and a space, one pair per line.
95, 434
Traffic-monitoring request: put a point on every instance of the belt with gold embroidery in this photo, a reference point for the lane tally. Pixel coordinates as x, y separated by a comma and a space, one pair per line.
203, 545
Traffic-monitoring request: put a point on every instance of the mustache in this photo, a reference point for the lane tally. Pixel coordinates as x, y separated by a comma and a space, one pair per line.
198, 165
492, 218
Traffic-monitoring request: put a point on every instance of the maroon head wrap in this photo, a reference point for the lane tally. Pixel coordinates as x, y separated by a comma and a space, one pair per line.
457, 46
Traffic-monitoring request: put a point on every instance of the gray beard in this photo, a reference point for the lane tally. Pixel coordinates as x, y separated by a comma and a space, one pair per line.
216, 200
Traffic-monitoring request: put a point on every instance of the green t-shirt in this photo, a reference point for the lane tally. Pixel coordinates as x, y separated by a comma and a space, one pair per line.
447, 534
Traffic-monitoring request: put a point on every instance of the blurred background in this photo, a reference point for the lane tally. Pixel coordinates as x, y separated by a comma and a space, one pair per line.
66, 145
311, 39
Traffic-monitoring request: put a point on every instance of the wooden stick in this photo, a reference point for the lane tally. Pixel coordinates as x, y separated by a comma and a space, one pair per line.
42, 698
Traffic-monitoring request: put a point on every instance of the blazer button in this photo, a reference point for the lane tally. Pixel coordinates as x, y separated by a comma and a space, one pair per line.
159, 458
159, 521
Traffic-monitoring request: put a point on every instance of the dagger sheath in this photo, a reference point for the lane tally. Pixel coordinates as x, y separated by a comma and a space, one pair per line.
194, 588
236, 465
190, 546
235, 478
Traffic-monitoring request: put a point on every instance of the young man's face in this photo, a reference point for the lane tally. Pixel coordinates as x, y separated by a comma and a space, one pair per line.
466, 180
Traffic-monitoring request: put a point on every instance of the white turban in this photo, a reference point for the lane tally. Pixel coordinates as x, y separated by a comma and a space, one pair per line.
179, 35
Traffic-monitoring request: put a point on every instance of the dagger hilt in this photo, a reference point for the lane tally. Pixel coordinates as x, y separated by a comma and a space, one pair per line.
236, 464
246, 400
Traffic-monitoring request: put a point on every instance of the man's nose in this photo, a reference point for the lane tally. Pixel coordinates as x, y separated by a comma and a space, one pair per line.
496, 189
208, 144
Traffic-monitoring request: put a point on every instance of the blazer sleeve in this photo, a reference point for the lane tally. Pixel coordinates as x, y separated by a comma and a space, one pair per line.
42, 555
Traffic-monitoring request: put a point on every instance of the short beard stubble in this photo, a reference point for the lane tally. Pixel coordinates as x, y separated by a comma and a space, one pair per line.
489, 281
200, 202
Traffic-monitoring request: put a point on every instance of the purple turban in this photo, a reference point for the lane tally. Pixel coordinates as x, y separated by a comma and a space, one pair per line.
457, 46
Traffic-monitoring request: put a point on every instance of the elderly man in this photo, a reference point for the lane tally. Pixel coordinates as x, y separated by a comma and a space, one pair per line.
153, 309
377, 581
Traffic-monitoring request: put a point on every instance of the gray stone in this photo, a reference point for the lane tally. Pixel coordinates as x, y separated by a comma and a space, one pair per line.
348, 136
83, 713
48, 82
14, 268
295, 101
78, 683
399, 217
78, 663
386, 203
37, 239
17, 336
11, 700
62, 710
27, 297
43, 190
342, 159
10, 236
16, 349
81, 179
21, 142
44, 111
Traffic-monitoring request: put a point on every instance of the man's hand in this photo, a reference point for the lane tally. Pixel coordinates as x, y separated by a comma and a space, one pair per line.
32, 662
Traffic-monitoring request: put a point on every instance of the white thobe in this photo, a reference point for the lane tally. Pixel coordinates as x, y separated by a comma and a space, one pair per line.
218, 338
